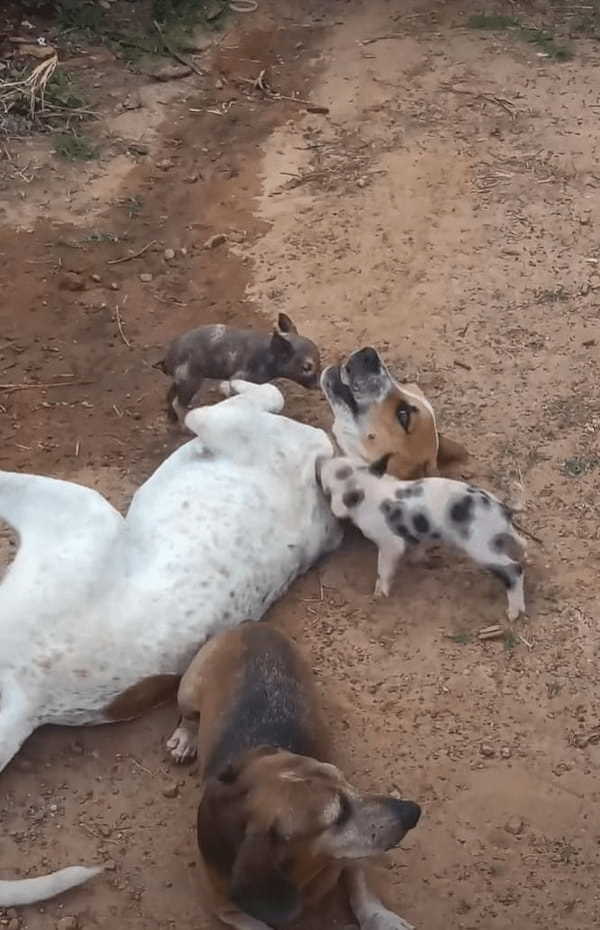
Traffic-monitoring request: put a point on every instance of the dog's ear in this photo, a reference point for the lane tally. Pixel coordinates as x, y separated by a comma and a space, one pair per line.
281, 346
379, 466
285, 325
259, 887
450, 451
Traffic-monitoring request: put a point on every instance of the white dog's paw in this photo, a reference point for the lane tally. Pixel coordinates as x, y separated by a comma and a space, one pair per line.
382, 919
183, 745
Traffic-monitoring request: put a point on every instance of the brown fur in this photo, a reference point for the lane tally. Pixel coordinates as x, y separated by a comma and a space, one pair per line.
268, 816
145, 694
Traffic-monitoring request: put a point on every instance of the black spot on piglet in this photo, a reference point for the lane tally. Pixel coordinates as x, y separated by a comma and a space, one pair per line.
353, 498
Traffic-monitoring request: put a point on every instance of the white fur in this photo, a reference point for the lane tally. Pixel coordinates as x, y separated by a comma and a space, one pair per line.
95, 602
430, 499
30, 890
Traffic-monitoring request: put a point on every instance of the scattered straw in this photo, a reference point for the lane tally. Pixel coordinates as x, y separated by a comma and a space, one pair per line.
31, 89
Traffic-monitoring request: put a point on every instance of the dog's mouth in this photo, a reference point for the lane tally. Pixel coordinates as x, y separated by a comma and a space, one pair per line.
336, 390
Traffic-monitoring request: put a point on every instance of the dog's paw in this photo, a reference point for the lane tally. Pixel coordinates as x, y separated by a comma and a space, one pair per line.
382, 919
183, 745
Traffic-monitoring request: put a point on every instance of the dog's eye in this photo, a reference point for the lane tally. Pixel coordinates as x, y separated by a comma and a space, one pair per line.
345, 811
403, 415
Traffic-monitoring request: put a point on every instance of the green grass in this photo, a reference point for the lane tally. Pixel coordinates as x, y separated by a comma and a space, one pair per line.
545, 41
463, 639
74, 147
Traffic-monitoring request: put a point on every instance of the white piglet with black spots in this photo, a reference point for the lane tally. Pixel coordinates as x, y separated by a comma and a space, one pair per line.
406, 516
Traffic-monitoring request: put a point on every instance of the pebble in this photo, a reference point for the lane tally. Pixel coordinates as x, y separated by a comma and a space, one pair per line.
171, 789
486, 750
215, 240
169, 255
67, 923
114, 286
96, 278
145, 277
515, 826
505, 752
219, 84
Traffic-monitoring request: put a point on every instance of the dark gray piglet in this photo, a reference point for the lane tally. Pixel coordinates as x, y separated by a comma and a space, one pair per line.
223, 353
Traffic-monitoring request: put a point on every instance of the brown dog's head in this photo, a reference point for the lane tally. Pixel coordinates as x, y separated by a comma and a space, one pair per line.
376, 416
268, 822
294, 356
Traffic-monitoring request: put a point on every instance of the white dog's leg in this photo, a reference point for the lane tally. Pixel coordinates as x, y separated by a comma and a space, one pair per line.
387, 561
16, 721
267, 397
366, 906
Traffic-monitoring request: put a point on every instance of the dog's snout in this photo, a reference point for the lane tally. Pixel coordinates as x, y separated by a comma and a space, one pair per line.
368, 360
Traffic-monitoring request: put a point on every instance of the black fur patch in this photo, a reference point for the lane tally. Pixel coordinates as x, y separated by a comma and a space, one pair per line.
353, 498
394, 517
507, 574
462, 511
343, 473
421, 524
415, 489
485, 499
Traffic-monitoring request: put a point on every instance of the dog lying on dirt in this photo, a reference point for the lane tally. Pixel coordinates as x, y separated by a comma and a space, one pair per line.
375, 415
407, 515
224, 353
100, 614
278, 824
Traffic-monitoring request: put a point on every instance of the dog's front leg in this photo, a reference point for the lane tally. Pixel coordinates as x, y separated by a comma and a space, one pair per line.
366, 906
240, 921
16, 722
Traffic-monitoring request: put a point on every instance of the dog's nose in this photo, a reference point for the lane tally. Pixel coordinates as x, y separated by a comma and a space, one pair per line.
407, 812
368, 359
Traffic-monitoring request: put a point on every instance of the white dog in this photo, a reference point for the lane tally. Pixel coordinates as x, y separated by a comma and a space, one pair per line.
100, 614
400, 515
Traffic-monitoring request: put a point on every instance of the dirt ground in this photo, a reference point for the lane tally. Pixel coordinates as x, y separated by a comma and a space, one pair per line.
446, 210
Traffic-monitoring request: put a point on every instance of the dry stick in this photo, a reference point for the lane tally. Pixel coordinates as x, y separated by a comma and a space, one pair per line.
388, 35
259, 84
120, 327
174, 53
41, 387
128, 258
525, 532
506, 105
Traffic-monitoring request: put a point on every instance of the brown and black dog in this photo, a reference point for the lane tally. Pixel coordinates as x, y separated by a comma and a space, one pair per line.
278, 824
375, 416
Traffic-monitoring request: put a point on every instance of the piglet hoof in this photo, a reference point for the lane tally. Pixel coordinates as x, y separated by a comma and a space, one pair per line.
183, 744
226, 389
381, 590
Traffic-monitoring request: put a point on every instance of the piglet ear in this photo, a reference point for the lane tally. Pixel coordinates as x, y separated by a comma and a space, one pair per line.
285, 325
280, 347
379, 466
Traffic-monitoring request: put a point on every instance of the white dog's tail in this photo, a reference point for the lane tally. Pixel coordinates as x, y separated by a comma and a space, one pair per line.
30, 890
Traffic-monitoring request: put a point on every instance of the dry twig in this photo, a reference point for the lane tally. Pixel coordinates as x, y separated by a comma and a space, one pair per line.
9, 388
120, 327
174, 53
128, 258
387, 35
507, 105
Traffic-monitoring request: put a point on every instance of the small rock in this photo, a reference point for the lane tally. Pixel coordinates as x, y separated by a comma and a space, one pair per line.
215, 240
486, 750
505, 752
114, 286
183, 251
171, 790
67, 923
171, 73
137, 149
110, 866
515, 826
145, 277
165, 165
132, 102
96, 278
169, 255
219, 84
71, 281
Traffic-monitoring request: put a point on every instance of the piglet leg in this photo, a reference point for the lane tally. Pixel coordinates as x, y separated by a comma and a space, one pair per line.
387, 561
